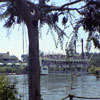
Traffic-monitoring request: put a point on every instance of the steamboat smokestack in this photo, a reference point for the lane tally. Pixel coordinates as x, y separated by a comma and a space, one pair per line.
82, 48
75, 45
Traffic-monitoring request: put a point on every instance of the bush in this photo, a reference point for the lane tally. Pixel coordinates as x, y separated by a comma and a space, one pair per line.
93, 69
7, 90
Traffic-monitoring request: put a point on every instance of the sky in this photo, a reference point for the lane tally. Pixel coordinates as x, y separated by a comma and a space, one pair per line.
12, 40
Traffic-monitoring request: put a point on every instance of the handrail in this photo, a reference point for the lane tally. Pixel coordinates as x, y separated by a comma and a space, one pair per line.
73, 96
65, 97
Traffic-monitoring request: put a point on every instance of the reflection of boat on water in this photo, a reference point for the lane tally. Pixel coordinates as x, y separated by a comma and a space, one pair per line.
44, 70
79, 73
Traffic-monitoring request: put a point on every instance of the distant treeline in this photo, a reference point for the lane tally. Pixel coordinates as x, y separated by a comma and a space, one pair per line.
95, 59
16, 70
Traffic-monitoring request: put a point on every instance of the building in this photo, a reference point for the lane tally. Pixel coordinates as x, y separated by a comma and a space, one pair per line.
9, 60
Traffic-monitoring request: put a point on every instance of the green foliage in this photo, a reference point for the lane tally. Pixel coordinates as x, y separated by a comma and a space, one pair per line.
13, 17
89, 17
95, 61
90, 21
7, 90
17, 70
11, 13
92, 69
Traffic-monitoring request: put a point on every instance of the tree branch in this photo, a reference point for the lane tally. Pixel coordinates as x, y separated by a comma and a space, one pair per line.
25, 12
48, 8
61, 9
71, 3
32, 5
7, 0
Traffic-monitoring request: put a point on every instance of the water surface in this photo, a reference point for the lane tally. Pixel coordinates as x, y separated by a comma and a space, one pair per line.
57, 86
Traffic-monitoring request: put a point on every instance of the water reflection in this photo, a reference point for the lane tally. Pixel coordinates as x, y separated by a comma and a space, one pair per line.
57, 86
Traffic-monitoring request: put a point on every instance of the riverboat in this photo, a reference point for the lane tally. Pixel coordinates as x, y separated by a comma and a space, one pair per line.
70, 62
44, 70
58, 63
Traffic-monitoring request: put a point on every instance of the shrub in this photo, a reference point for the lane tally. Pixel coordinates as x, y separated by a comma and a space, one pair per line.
8, 90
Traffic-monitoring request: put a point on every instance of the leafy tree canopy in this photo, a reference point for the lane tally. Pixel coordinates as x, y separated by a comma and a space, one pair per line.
88, 11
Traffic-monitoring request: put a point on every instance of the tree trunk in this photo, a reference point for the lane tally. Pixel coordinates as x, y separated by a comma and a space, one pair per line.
33, 64
34, 69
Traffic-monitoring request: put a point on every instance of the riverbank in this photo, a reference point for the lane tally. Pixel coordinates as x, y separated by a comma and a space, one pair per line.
12, 70
19, 70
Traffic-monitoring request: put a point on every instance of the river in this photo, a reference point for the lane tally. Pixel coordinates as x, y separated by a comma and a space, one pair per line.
57, 86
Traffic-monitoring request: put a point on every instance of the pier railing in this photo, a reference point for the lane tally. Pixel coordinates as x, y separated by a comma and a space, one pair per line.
71, 97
